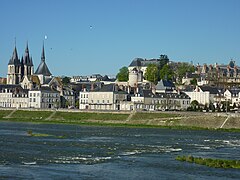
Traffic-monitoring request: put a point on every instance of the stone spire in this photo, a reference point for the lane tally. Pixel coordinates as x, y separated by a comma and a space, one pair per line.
43, 54
42, 68
27, 59
14, 60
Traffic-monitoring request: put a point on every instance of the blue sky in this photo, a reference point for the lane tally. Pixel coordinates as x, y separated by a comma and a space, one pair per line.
101, 36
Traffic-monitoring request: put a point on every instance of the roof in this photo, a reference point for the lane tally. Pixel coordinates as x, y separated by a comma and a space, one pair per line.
163, 84
27, 60
45, 89
212, 90
136, 62
143, 62
15, 89
149, 94
109, 88
42, 68
14, 59
234, 91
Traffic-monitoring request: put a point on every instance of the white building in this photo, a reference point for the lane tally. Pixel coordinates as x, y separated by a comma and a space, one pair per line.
83, 99
13, 96
107, 97
233, 96
44, 98
204, 94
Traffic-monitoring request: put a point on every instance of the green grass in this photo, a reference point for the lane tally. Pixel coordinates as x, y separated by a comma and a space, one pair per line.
142, 116
4, 113
216, 163
89, 116
102, 119
31, 115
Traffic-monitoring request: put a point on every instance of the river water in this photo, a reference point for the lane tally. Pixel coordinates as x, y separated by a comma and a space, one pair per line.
90, 152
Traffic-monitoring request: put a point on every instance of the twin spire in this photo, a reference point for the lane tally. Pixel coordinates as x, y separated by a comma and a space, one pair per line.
27, 60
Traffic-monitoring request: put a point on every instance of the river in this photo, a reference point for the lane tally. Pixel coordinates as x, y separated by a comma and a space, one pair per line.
91, 152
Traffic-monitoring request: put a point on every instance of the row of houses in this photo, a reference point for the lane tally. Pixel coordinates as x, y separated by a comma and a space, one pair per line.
14, 96
114, 97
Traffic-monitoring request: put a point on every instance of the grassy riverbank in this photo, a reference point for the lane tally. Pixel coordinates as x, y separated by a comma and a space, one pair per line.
216, 163
176, 120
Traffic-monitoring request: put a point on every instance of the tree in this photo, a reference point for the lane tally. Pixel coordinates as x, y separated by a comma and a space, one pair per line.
152, 73
77, 104
166, 72
66, 80
163, 61
183, 68
193, 81
195, 105
123, 74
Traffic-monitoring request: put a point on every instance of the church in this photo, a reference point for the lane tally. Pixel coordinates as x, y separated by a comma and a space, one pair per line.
26, 88
21, 72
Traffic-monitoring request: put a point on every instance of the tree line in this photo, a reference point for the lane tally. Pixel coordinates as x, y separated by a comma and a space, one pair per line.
162, 70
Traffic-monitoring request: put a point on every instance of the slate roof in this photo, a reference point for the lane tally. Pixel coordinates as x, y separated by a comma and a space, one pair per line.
140, 62
42, 68
212, 90
15, 89
109, 88
234, 91
149, 94
163, 84
14, 59
27, 60
45, 89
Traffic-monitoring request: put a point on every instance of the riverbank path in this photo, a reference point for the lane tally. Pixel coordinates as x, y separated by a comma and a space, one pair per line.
51, 115
10, 114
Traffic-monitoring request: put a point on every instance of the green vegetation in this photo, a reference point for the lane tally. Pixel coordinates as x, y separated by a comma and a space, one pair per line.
30, 133
152, 73
123, 74
184, 68
142, 116
166, 72
216, 163
66, 80
89, 116
31, 115
4, 113
168, 120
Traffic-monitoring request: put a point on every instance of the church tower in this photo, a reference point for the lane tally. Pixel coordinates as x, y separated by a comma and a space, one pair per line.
27, 64
14, 69
42, 71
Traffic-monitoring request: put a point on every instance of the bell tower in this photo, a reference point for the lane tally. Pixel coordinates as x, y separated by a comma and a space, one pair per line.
14, 69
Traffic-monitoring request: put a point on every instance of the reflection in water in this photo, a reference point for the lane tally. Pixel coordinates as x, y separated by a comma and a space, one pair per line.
111, 153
